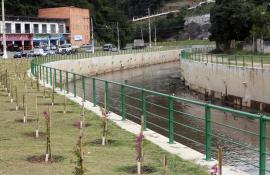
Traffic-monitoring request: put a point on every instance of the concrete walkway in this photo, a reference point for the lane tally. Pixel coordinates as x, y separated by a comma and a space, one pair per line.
178, 149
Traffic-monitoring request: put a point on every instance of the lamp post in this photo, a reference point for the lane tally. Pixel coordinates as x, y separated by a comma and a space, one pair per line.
118, 38
149, 25
92, 36
4, 31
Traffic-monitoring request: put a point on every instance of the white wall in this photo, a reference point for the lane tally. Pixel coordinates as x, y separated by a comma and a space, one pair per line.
247, 83
99, 65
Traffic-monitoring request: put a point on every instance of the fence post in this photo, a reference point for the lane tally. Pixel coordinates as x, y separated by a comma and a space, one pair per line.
235, 60
74, 84
171, 120
83, 85
107, 96
94, 92
243, 61
252, 61
40, 72
55, 79
144, 109
43, 74
222, 61
123, 102
263, 143
51, 76
261, 62
208, 132
61, 80
47, 81
67, 88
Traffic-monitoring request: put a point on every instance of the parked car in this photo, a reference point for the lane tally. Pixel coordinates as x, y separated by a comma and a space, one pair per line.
53, 47
110, 47
39, 52
114, 49
30, 54
20, 54
107, 47
86, 48
65, 48
49, 52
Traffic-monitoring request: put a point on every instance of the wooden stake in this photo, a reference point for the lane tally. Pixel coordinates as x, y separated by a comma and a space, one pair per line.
105, 123
65, 99
53, 92
165, 165
17, 98
37, 114
37, 80
25, 105
220, 161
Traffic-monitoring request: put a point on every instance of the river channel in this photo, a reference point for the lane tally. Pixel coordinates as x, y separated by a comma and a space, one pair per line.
239, 148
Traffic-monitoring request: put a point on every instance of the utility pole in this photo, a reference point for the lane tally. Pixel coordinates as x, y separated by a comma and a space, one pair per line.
92, 36
155, 35
118, 37
149, 21
4, 42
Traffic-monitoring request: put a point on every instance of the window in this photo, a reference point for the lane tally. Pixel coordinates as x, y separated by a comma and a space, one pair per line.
44, 28
61, 28
27, 28
18, 28
67, 29
8, 27
36, 28
53, 29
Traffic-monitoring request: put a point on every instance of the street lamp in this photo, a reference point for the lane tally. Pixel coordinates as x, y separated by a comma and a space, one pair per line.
4, 31
149, 26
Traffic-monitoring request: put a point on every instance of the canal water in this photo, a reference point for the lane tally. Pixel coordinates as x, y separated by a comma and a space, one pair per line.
238, 136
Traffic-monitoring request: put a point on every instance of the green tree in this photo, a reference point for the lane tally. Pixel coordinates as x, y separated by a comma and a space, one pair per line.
231, 20
261, 21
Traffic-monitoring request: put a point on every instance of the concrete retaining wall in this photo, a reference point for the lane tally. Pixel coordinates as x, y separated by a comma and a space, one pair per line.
243, 86
99, 65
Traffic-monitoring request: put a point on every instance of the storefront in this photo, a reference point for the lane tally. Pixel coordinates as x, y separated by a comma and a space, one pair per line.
48, 40
17, 42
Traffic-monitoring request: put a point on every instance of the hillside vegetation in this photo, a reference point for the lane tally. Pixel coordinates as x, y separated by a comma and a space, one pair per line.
107, 12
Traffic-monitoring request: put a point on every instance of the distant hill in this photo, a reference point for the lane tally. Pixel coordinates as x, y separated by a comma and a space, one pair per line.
106, 13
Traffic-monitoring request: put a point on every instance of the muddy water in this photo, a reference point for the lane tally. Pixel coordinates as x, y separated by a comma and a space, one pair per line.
189, 119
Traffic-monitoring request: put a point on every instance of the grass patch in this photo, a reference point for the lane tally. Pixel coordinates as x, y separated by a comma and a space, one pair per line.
17, 149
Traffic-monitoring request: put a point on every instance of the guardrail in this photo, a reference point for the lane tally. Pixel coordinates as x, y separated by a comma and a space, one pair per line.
253, 61
198, 126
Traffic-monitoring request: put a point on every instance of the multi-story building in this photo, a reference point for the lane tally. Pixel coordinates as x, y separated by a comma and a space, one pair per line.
52, 27
78, 22
27, 32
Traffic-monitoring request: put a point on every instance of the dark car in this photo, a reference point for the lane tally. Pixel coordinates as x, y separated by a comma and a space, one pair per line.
20, 55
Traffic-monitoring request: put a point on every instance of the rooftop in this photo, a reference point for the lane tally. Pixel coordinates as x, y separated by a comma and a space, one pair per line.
33, 19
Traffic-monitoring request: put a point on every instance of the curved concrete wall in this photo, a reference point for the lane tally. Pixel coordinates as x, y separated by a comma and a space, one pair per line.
249, 87
99, 65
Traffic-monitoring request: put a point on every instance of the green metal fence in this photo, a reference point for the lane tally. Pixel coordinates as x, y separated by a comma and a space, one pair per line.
190, 122
253, 61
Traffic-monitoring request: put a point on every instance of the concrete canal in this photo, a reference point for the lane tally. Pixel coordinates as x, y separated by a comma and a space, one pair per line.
189, 118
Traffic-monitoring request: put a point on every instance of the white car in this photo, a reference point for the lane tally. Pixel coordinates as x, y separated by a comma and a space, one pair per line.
65, 48
39, 52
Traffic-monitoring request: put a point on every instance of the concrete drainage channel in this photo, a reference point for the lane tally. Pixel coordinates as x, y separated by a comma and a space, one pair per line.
178, 149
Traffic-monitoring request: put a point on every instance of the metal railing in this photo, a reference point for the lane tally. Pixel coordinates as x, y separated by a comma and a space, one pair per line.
251, 61
198, 127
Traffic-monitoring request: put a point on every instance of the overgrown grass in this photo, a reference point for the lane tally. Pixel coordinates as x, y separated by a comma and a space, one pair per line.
16, 145
185, 43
